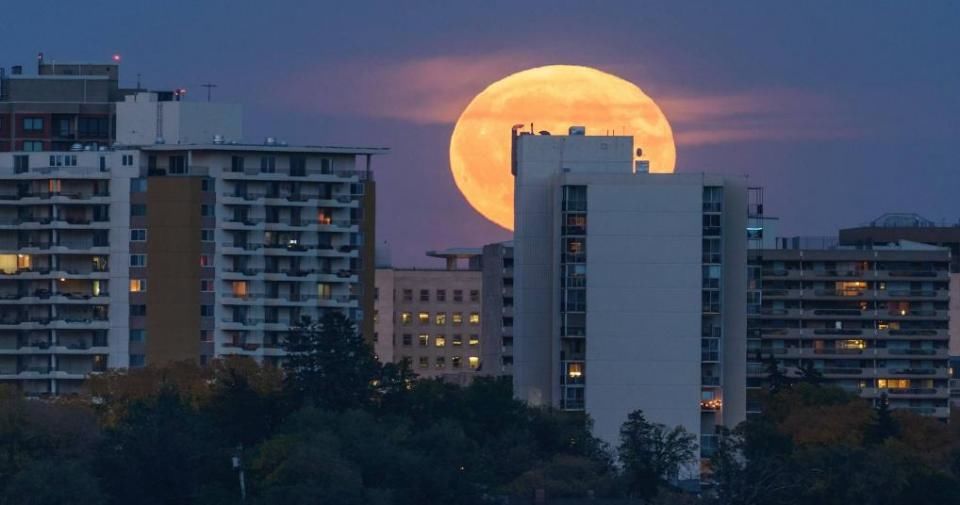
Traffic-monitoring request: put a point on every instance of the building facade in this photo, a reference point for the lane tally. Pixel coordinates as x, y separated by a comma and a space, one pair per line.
436, 316
871, 320
497, 309
630, 287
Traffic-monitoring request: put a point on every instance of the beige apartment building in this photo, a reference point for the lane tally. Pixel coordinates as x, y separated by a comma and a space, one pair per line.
432, 317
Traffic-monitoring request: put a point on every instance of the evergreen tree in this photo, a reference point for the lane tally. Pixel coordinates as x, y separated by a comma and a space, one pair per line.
653, 455
329, 365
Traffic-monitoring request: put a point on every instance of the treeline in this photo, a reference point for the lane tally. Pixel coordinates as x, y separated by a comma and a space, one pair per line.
339, 428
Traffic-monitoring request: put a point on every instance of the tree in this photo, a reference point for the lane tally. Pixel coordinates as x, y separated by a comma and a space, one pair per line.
329, 365
53, 482
653, 454
245, 402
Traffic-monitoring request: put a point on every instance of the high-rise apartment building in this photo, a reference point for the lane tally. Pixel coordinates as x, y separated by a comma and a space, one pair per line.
630, 287
497, 310
432, 317
872, 319
120, 256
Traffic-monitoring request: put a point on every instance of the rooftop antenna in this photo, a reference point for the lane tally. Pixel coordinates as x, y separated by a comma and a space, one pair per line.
209, 86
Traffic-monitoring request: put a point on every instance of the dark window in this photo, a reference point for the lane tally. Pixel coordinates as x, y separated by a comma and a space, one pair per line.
177, 164
93, 127
21, 163
32, 146
138, 310
298, 166
33, 124
137, 360
236, 163
206, 311
138, 209
268, 164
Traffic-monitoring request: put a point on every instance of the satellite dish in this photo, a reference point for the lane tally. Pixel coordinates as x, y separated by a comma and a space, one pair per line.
544, 132
639, 152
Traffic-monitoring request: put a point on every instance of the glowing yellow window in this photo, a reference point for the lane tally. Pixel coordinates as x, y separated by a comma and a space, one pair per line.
474, 362
423, 317
852, 344
456, 318
423, 339
9, 263
441, 318
851, 288
575, 370
240, 289
440, 341
323, 217
324, 290
893, 383
138, 285
458, 340
474, 318
474, 339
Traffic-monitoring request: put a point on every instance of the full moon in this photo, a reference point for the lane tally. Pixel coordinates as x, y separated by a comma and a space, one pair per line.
553, 98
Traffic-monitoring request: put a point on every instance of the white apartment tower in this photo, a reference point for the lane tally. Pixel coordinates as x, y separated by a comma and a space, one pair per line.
630, 287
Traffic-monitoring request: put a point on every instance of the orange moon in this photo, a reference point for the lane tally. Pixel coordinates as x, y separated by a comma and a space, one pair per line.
553, 98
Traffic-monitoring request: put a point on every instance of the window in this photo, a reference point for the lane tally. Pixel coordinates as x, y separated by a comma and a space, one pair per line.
458, 340
458, 295
406, 318
474, 295
268, 164
474, 362
440, 341
137, 360
138, 335
423, 362
63, 160
240, 289
893, 383
138, 185
207, 184
407, 295
177, 164
138, 285
205, 336
32, 146
126, 160
206, 285
474, 318
206, 210
33, 124
407, 340
236, 163
21, 163
440, 318
138, 210
206, 311
138, 260
424, 295
206, 235
441, 362
138, 310
138, 235
456, 318
712, 198
423, 339
711, 225
423, 317
474, 340
326, 166
441, 295
456, 361
298, 166
205, 261
93, 127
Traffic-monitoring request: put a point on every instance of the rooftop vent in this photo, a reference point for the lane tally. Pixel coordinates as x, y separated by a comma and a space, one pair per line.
218, 139
577, 130
270, 141
16, 69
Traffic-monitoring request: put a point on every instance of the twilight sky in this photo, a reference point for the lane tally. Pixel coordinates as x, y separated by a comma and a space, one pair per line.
841, 110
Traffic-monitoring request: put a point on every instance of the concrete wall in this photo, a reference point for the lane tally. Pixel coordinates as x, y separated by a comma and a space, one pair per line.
386, 339
179, 122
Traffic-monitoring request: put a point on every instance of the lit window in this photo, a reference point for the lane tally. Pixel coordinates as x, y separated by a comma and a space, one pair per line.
474, 318
852, 344
440, 341
138, 285
424, 317
474, 339
240, 289
441, 318
575, 370
324, 291
405, 318
474, 362
456, 318
458, 340
893, 383
423, 339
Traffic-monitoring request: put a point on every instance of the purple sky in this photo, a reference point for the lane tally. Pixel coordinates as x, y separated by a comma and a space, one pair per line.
841, 110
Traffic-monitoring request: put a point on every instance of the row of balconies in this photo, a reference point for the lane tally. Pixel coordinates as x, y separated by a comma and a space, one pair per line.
855, 274
846, 294
820, 333
874, 352
43, 296
340, 225
857, 372
47, 273
798, 313
54, 323
248, 198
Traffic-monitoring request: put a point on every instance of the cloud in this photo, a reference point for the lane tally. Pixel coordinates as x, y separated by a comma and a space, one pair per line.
435, 90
